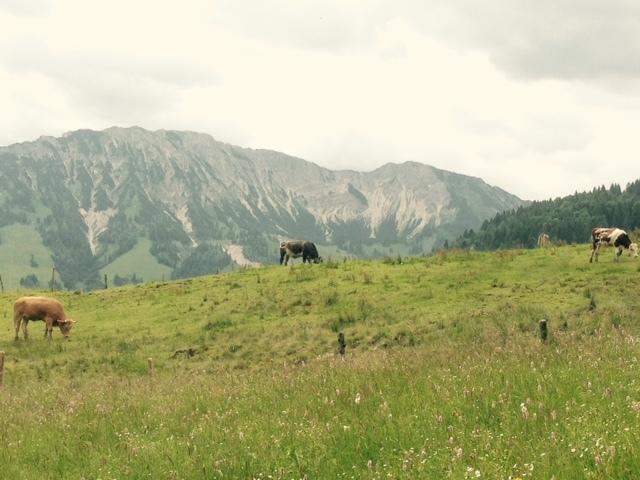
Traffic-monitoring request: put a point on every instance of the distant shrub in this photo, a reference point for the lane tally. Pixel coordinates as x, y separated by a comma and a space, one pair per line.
30, 281
330, 263
343, 320
301, 274
331, 298
389, 260
616, 320
592, 303
126, 347
219, 324
365, 309
505, 255
405, 338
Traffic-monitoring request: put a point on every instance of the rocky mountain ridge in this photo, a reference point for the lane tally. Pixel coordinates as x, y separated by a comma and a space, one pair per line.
94, 195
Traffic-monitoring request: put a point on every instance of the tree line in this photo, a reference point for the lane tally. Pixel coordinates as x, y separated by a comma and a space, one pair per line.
566, 219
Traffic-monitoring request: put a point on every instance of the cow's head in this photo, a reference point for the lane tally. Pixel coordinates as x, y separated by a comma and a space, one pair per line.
65, 327
633, 249
318, 259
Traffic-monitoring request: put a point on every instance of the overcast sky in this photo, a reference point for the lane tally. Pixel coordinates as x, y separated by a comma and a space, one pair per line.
540, 98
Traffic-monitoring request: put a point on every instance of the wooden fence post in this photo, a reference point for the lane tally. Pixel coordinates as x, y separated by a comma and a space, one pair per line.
544, 330
342, 344
1, 285
53, 277
152, 370
105, 281
1, 369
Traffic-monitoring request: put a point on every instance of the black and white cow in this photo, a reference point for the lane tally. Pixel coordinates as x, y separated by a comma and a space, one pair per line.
614, 237
299, 248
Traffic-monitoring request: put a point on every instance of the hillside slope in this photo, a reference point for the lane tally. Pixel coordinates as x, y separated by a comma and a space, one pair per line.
94, 196
444, 374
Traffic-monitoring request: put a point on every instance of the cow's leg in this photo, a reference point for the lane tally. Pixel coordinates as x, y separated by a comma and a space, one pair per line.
16, 323
618, 253
594, 246
286, 259
596, 251
49, 327
25, 321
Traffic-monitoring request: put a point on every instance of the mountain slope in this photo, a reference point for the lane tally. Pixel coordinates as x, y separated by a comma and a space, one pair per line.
94, 196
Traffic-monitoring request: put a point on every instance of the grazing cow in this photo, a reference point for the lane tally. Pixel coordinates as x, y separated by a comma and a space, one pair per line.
46, 309
299, 248
544, 240
615, 237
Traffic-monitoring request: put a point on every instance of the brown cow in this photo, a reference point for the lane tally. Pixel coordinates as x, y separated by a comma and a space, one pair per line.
544, 240
46, 309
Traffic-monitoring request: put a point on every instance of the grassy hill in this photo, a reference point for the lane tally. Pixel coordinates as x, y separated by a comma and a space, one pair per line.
444, 375
138, 261
22, 253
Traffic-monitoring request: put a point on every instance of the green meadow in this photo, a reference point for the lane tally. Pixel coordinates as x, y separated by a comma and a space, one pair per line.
22, 253
237, 375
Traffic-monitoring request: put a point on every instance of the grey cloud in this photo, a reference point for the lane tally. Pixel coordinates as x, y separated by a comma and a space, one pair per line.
563, 39
35, 56
113, 86
541, 135
332, 25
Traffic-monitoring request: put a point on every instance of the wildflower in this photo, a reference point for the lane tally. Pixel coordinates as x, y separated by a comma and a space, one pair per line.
357, 399
524, 410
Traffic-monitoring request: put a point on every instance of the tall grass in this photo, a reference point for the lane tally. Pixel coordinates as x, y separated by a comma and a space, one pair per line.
443, 378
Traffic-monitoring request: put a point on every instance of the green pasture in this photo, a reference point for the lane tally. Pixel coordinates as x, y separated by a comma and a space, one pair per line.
18, 245
444, 376
138, 261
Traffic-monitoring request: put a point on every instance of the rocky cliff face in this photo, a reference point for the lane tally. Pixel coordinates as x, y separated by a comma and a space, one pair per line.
93, 196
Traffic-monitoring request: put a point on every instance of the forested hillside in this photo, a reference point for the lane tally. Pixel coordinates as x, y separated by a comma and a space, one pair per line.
568, 219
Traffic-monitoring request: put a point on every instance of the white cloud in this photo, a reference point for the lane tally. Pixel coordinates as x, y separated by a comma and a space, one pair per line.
499, 92
28, 8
